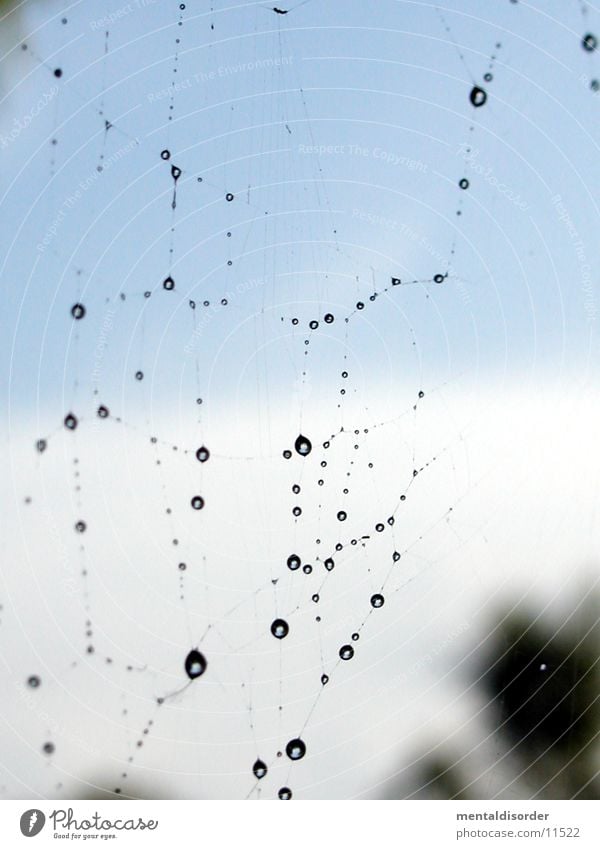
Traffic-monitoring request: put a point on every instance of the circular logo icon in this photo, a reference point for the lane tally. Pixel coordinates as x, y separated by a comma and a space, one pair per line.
32, 822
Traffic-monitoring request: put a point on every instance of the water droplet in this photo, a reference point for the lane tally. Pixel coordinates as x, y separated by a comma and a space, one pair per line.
396, 556
297, 511
202, 454
103, 412
589, 42
295, 489
287, 454
34, 681
280, 628
139, 375
48, 748
58, 72
259, 769
488, 77
293, 562
342, 515
41, 445
328, 318
346, 652
313, 325
303, 446
77, 311
229, 197
377, 600
285, 793
360, 305
197, 502
464, 183
477, 96
329, 564
438, 278
295, 749
324, 679
80, 526
70, 421
307, 568
175, 172
195, 664
168, 284
165, 154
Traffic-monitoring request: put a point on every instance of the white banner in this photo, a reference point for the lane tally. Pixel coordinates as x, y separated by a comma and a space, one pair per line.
352, 825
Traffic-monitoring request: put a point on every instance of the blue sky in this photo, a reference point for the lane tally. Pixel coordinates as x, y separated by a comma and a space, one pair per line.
385, 98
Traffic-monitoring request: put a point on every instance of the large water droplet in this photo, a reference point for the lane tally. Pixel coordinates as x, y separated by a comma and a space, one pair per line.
346, 652
478, 96
295, 749
77, 311
280, 628
197, 502
202, 454
303, 445
70, 421
259, 769
168, 283
195, 664
589, 42
293, 562
377, 600
285, 793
